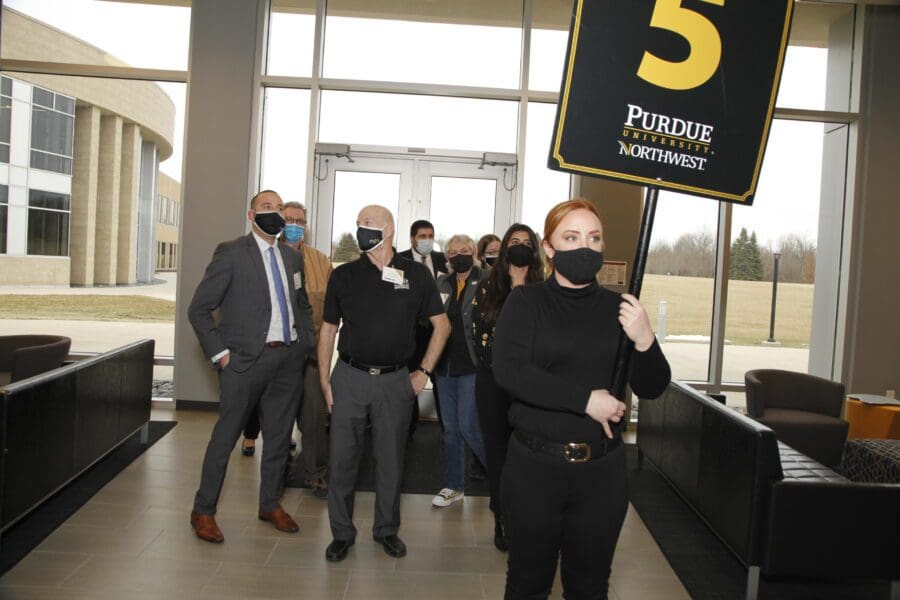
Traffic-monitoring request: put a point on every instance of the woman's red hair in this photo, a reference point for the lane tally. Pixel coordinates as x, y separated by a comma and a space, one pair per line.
559, 212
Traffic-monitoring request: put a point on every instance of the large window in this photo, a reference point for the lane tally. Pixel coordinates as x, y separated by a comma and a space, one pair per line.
441, 41
780, 228
5, 117
816, 73
52, 131
419, 121
678, 285
543, 188
4, 210
285, 143
549, 37
48, 223
291, 36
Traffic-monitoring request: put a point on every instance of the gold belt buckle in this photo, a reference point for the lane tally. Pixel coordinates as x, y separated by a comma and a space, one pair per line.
573, 451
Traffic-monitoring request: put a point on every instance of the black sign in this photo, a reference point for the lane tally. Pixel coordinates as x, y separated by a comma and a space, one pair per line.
677, 94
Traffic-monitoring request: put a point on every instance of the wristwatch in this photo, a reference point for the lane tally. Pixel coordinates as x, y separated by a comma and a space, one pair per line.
426, 371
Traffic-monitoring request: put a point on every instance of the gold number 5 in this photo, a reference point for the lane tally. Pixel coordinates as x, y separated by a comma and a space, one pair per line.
704, 40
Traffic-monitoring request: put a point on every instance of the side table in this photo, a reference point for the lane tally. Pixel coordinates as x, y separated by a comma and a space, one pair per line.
872, 421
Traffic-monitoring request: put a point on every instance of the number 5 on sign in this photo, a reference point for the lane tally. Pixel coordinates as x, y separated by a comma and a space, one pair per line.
701, 35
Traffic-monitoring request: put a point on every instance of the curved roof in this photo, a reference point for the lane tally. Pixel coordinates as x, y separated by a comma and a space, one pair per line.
141, 102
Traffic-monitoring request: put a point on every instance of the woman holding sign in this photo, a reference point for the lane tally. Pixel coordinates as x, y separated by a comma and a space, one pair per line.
564, 486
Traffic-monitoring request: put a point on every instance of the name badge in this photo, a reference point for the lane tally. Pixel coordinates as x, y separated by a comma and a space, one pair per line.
392, 275
298, 280
402, 286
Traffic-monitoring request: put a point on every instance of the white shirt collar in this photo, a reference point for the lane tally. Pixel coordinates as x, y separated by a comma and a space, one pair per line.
263, 244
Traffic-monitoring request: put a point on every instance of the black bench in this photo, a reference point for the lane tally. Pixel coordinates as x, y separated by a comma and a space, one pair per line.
55, 425
780, 512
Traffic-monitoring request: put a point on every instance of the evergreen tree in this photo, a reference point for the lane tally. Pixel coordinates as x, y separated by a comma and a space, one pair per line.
746, 258
754, 260
347, 249
738, 268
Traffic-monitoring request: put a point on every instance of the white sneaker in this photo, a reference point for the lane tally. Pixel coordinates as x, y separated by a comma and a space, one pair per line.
446, 497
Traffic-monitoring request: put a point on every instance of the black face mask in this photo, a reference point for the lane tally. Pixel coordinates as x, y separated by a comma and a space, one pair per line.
520, 255
270, 223
369, 238
491, 260
579, 266
461, 262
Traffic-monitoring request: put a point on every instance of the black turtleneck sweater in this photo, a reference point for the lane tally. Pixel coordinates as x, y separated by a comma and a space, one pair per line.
553, 345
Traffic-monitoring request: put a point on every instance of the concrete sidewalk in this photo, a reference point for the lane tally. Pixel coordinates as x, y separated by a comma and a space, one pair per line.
164, 290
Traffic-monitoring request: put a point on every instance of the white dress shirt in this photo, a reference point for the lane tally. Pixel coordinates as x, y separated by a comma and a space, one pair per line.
275, 329
425, 260
276, 333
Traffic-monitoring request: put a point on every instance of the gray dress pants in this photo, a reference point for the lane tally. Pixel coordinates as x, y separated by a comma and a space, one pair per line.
359, 397
273, 382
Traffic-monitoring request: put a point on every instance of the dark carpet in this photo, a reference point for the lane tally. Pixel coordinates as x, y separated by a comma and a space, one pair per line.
25, 535
423, 470
704, 564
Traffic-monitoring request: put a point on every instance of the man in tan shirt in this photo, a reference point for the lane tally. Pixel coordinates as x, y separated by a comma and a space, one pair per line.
312, 416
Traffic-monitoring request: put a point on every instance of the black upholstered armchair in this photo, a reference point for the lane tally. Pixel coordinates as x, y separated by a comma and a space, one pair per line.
23, 356
804, 411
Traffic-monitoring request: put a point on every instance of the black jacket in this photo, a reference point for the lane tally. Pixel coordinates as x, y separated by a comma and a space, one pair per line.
437, 259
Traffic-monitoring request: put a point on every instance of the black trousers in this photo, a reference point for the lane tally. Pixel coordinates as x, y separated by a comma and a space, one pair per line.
493, 415
571, 512
251, 429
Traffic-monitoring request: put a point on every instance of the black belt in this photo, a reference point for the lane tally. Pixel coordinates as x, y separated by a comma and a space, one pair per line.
371, 369
573, 452
275, 344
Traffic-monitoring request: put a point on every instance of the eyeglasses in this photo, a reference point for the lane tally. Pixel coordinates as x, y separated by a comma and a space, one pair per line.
295, 221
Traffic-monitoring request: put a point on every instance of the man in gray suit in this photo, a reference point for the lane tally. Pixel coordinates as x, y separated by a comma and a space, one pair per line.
259, 344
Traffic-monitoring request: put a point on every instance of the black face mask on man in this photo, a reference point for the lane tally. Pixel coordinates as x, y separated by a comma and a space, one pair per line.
270, 223
369, 238
461, 263
520, 255
580, 266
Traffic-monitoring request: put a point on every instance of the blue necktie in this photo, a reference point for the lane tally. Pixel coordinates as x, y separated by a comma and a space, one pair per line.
279, 291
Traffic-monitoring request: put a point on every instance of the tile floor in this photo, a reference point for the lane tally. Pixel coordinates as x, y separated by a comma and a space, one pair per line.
133, 540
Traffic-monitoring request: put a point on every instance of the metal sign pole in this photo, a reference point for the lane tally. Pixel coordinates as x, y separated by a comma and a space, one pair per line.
623, 354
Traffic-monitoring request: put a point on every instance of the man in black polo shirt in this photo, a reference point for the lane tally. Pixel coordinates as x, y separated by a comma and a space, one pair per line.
379, 298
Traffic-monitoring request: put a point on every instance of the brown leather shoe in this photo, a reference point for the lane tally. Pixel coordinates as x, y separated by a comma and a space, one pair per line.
280, 519
206, 529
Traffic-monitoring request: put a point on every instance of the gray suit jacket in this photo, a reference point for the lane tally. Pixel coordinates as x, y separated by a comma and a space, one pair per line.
235, 284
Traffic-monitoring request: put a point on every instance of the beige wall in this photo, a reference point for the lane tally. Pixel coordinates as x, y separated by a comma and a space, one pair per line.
872, 341
34, 270
171, 189
620, 206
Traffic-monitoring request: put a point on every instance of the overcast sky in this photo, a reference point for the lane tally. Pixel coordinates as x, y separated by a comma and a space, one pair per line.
788, 193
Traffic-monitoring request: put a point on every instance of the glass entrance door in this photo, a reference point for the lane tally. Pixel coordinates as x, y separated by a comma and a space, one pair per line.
470, 194
458, 193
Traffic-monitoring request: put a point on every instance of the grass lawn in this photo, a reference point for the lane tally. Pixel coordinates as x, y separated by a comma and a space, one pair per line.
689, 309
86, 308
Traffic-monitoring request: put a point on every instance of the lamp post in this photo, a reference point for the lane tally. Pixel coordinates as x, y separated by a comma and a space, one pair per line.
777, 256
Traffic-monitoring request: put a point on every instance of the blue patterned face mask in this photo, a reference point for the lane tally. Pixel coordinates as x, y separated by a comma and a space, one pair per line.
293, 233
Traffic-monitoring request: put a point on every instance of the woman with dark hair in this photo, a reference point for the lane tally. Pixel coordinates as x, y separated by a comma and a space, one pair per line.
564, 485
488, 250
518, 263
